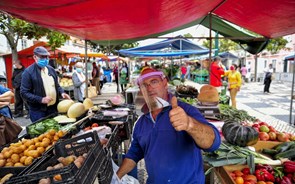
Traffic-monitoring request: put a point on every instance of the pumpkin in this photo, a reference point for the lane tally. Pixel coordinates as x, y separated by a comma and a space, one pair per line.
239, 135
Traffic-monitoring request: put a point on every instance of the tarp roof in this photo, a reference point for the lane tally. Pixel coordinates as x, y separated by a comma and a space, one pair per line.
291, 57
178, 46
227, 55
122, 20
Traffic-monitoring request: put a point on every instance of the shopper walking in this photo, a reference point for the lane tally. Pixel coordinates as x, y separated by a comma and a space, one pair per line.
183, 71
168, 137
267, 78
16, 83
116, 76
124, 76
95, 77
244, 73
78, 79
234, 83
39, 86
216, 71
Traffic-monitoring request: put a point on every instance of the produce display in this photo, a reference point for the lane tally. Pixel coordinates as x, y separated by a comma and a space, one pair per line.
23, 152
283, 150
229, 113
63, 162
208, 94
65, 82
187, 90
238, 134
191, 101
269, 133
43, 126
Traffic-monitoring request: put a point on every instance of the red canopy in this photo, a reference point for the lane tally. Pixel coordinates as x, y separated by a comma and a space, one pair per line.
130, 19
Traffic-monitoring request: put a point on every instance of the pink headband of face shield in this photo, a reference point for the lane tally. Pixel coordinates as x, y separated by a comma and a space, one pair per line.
148, 75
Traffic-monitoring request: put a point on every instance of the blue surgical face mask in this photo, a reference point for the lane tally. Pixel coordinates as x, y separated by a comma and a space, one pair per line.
79, 70
42, 62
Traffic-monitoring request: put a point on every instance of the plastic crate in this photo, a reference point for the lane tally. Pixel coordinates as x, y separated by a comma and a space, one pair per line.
177, 94
114, 141
88, 143
106, 171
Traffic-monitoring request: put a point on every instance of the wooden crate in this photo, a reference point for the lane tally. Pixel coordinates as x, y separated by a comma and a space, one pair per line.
223, 173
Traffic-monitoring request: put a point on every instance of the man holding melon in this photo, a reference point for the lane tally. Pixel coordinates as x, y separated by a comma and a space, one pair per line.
169, 136
39, 86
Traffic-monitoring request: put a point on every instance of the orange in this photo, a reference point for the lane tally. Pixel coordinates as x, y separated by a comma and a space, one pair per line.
239, 180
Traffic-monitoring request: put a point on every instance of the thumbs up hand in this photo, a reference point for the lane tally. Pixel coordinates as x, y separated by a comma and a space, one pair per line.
178, 118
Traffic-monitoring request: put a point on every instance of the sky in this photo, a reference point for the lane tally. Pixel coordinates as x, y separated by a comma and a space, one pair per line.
196, 31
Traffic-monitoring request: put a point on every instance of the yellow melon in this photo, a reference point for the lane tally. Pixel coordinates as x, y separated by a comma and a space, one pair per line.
76, 110
63, 106
88, 103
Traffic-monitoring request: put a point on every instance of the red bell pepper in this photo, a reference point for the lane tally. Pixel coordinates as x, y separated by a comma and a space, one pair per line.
286, 180
264, 175
246, 171
289, 166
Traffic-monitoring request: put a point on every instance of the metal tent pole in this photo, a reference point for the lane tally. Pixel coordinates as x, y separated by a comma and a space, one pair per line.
86, 70
292, 93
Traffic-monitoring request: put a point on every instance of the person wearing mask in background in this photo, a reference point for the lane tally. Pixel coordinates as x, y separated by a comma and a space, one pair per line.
268, 78
95, 77
89, 69
216, 71
78, 79
5, 97
234, 83
124, 76
40, 87
116, 76
244, 73
170, 137
16, 83
101, 77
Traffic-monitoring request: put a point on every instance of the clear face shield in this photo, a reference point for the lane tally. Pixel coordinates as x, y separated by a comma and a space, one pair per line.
152, 90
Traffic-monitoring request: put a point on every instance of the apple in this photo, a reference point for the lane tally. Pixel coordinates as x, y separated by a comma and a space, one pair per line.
272, 129
263, 136
257, 129
255, 125
263, 123
272, 136
264, 128
282, 137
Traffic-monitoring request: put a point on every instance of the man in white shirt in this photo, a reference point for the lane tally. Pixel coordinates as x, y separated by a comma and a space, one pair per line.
267, 78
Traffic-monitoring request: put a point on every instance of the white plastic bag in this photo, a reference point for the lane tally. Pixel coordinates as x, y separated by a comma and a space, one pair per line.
125, 179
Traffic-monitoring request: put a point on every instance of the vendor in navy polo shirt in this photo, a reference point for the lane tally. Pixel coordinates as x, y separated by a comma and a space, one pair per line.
169, 136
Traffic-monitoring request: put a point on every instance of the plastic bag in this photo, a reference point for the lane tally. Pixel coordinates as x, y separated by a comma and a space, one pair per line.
125, 179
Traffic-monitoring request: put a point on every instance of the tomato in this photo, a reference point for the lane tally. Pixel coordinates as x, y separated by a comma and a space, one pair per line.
239, 180
94, 125
238, 173
250, 177
87, 128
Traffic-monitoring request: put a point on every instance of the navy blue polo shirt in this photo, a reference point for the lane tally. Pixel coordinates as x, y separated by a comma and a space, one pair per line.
170, 156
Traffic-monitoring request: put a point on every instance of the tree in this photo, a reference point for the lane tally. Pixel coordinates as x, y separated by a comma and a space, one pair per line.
275, 45
112, 49
187, 35
15, 29
224, 45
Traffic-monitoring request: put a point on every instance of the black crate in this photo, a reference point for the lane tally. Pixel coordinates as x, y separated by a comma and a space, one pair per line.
185, 95
114, 141
106, 171
87, 143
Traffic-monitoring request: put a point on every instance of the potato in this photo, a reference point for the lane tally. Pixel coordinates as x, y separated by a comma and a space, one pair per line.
41, 137
58, 166
16, 144
44, 181
38, 144
22, 159
36, 139
40, 150
32, 147
55, 138
17, 150
60, 133
48, 136
29, 143
7, 154
52, 132
6, 178
46, 139
14, 158
18, 164
44, 144
49, 168
2, 162
33, 153
1, 156
29, 161
9, 164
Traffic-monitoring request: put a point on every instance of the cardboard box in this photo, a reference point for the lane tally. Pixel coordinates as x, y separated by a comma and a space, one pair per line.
265, 144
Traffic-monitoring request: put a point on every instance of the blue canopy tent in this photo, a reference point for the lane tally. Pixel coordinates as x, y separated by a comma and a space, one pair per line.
178, 46
227, 55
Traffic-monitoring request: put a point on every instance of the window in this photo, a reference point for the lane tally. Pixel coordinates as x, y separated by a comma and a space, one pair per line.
274, 62
24, 44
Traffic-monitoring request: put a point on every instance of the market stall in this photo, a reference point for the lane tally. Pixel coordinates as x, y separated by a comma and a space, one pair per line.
77, 145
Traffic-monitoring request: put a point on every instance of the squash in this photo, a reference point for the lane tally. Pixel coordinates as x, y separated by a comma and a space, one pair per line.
239, 135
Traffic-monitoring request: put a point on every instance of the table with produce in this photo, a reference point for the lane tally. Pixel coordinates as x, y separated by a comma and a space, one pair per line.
252, 151
74, 146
